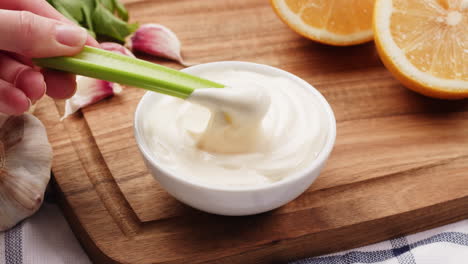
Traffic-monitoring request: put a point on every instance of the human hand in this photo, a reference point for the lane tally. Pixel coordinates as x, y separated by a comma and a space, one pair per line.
34, 29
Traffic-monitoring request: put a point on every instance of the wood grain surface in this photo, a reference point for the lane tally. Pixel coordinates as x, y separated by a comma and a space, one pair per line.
400, 163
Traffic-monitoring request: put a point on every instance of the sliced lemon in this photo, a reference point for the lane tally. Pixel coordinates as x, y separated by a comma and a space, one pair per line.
424, 43
333, 22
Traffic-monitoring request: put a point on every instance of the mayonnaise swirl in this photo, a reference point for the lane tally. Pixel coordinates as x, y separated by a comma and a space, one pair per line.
258, 130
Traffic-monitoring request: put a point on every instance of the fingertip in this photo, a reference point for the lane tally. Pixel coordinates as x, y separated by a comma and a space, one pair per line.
60, 85
31, 83
72, 38
13, 101
92, 42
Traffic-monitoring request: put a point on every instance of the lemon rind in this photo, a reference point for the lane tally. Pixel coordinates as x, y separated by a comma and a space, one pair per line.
321, 35
383, 11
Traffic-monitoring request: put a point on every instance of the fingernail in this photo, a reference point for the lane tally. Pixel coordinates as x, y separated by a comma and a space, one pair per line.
69, 35
45, 89
42, 95
30, 103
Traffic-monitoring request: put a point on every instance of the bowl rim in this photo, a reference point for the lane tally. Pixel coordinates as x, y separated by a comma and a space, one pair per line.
296, 176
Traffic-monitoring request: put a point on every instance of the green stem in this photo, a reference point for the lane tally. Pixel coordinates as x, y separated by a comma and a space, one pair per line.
113, 67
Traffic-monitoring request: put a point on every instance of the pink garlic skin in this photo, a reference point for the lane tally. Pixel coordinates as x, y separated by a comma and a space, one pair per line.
99, 89
88, 92
157, 40
117, 48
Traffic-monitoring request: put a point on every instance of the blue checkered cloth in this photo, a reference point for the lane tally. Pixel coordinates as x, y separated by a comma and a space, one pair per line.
443, 245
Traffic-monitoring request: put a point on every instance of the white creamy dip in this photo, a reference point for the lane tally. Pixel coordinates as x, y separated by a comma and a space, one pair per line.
258, 130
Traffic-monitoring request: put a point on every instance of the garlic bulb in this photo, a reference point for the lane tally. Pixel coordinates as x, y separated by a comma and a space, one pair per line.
25, 162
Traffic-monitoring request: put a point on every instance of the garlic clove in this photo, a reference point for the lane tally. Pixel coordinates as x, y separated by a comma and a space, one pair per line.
89, 91
157, 40
25, 162
117, 48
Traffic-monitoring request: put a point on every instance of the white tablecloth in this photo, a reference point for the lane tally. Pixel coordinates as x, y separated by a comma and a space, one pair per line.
47, 238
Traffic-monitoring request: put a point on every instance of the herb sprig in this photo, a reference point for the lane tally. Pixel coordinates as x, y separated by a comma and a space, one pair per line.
103, 19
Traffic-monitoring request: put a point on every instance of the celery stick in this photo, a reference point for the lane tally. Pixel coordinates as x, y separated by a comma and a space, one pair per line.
113, 67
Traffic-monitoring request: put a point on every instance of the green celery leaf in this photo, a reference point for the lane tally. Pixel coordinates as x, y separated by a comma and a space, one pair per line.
69, 8
97, 16
105, 23
108, 4
88, 22
121, 10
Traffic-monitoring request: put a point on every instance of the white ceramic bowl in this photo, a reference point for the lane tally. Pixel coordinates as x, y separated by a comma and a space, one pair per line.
241, 201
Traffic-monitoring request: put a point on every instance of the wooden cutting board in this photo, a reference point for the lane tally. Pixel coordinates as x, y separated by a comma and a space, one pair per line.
400, 163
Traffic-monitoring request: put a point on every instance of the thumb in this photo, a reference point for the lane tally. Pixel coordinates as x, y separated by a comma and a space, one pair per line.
34, 36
